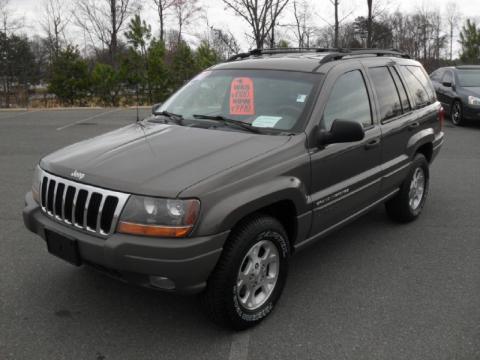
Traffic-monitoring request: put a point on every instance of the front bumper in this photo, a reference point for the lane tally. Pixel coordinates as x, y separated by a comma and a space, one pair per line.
471, 112
187, 262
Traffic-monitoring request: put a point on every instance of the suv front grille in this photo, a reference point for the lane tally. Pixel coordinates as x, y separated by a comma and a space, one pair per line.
83, 207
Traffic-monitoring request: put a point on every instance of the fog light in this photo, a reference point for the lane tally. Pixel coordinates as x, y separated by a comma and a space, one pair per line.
162, 282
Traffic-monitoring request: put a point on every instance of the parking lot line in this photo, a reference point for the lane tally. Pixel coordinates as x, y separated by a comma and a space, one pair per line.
239, 346
89, 118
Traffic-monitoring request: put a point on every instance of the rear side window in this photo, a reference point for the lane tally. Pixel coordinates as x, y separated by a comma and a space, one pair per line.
419, 85
348, 101
387, 94
401, 90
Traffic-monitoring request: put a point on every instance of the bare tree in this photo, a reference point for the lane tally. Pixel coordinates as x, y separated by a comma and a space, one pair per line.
162, 7
103, 20
336, 3
369, 24
453, 17
54, 22
185, 11
261, 16
303, 29
9, 21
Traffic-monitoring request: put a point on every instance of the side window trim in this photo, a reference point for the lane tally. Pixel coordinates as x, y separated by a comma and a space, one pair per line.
407, 89
393, 71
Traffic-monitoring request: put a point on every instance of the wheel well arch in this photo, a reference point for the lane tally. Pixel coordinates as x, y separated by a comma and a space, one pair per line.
454, 100
426, 150
284, 211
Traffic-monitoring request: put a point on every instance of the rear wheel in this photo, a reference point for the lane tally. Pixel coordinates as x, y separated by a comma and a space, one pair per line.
408, 203
250, 275
457, 113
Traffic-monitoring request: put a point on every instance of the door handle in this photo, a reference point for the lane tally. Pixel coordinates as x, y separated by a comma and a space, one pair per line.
413, 125
372, 143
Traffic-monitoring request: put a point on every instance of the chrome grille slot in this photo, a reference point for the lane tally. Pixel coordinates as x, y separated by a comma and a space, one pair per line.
84, 207
93, 211
108, 214
50, 195
59, 200
80, 207
68, 204
44, 192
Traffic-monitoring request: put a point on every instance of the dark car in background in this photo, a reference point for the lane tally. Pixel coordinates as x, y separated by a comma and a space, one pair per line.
458, 89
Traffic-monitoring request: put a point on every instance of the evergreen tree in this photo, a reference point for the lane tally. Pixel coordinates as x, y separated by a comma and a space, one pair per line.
470, 41
70, 78
205, 56
106, 83
157, 72
182, 67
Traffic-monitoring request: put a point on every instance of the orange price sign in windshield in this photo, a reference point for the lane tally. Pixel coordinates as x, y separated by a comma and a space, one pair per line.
242, 97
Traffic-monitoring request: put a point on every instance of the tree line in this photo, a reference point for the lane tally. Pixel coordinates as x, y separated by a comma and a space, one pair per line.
120, 60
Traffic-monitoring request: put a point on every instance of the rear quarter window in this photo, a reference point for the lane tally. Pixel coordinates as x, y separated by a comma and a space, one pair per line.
419, 85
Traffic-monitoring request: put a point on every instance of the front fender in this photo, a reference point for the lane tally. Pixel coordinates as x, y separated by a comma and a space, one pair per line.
228, 210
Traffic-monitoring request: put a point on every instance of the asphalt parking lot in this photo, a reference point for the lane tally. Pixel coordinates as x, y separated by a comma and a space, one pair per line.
373, 290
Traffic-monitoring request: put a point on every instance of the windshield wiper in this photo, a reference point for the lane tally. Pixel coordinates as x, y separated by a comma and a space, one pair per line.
175, 117
228, 121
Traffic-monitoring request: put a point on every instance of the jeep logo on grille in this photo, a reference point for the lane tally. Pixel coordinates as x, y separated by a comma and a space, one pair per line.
77, 175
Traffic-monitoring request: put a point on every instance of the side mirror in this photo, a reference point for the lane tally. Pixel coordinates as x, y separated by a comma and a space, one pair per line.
447, 84
342, 131
155, 107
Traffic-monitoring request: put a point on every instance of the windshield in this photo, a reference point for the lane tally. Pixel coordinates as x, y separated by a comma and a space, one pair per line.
469, 78
262, 98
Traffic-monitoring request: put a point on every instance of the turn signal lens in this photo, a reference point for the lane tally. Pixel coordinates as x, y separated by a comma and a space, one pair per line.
154, 230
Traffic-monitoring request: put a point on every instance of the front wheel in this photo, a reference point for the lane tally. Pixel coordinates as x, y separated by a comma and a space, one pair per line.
250, 275
457, 114
407, 205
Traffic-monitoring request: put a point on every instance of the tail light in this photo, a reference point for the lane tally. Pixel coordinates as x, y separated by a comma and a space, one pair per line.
441, 116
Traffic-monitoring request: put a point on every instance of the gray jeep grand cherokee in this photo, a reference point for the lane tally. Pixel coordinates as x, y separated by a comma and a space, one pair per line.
251, 161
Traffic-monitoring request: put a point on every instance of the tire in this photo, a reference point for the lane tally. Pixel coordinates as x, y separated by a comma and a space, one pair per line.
406, 207
456, 115
226, 299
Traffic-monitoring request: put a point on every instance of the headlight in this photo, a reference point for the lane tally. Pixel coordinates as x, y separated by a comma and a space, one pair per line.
157, 217
472, 100
37, 183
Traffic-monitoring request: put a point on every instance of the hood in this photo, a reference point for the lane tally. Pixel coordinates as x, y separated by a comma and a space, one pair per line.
472, 91
157, 159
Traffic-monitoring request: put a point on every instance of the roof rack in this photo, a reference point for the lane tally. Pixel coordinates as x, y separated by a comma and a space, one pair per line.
334, 53
274, 51
357, 52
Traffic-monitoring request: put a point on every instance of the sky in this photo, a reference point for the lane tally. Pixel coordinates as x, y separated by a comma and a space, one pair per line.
221, 18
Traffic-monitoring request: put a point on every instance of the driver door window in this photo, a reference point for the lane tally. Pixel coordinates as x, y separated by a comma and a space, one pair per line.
348, 101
